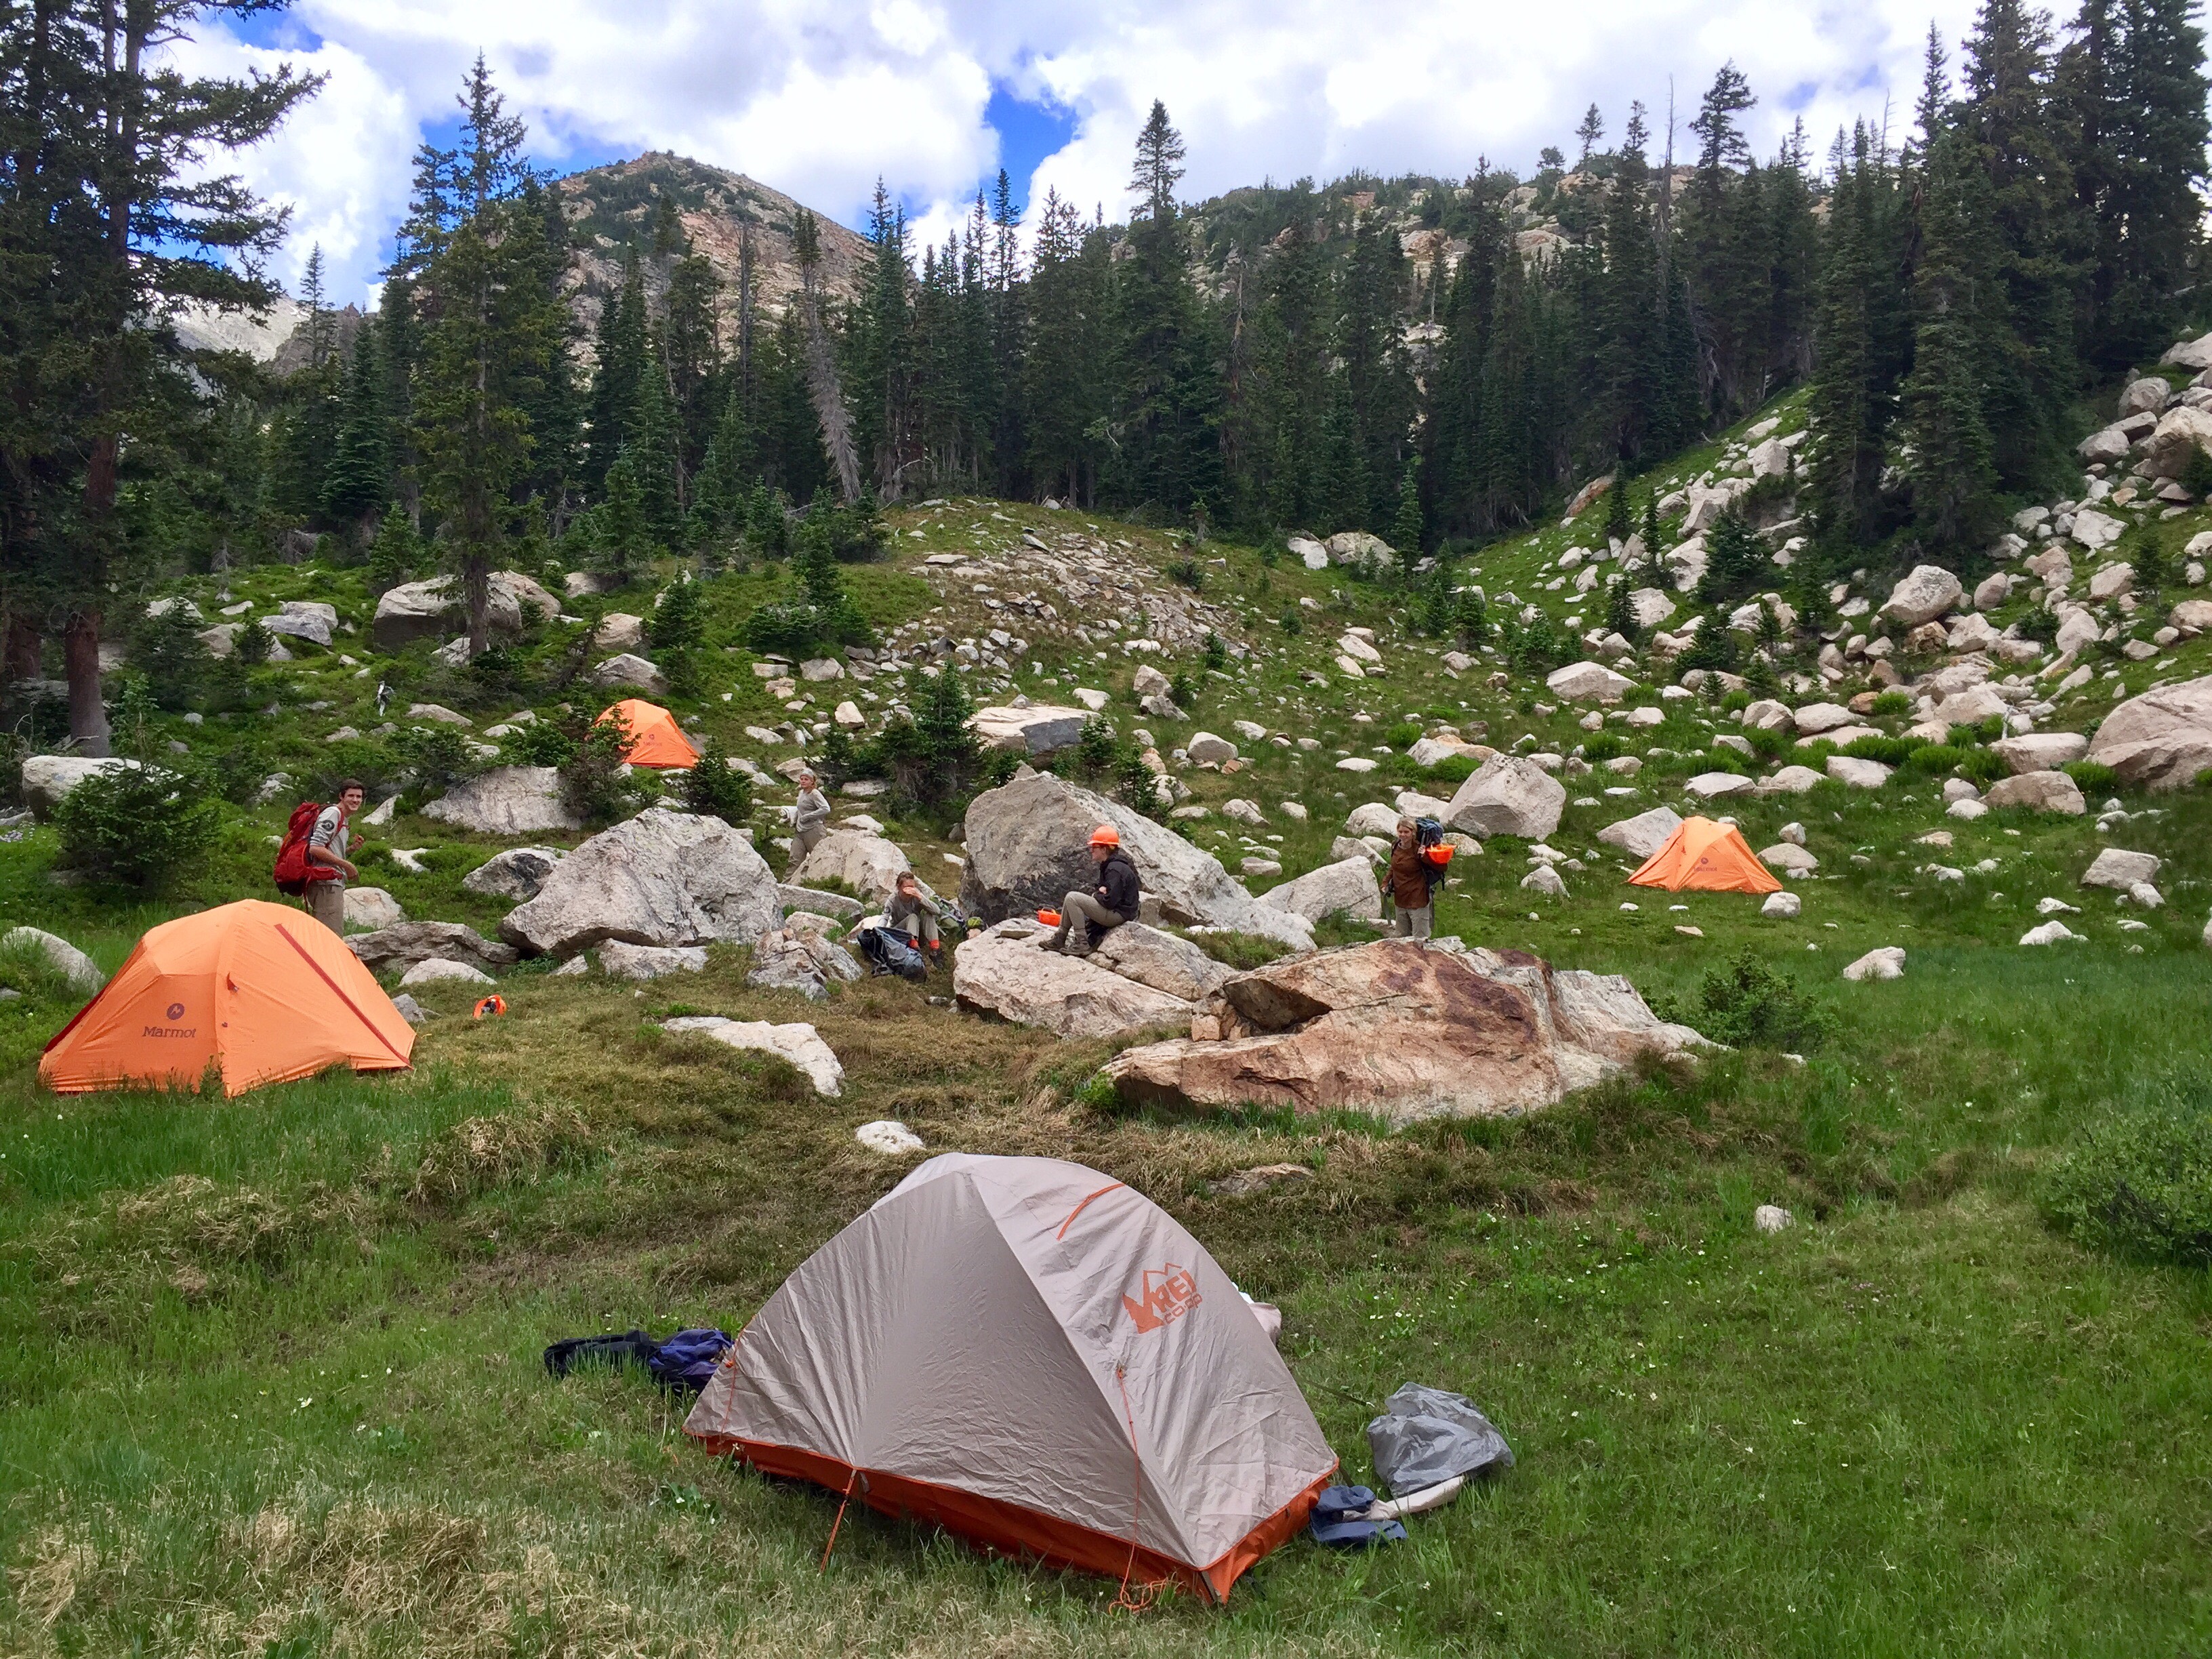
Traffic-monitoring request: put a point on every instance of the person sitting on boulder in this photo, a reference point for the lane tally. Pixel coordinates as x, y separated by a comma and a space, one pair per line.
1409, 882
1107, 905
908, 913
808, 819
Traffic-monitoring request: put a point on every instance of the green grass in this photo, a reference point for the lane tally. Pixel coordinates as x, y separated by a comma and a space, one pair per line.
268, 1368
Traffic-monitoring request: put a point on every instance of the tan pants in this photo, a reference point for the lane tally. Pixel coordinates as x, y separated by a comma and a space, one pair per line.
804, 841
1415, 924
326, 902
1083, 906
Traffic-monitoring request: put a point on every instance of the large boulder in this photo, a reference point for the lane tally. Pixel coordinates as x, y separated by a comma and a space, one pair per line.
1588, 682
1645, 833
1929, 592
1027, 847
406, 943
57, 953
798, 959
47, 778
1036, 729
417, 610
798, 1043
2040, 751
1160, 960
1814, 718
868, 863
2181, 433
2044, 792
2160, 740
620, 961
2117, 868
629, 670
836, 906
1404, 1029
315, 629
1005, 970
372, 906
516, 874
1508, 796
664, 877
507, 801
1348, 885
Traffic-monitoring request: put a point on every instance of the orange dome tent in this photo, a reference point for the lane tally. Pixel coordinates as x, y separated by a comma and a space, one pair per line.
652, 737
1712, 858
264, 992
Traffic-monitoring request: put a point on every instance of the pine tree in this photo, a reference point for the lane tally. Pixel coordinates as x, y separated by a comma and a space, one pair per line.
1946, 435
1619, 523
618, 381
622, 536
1620, 614
357, 483
1735, 560
1406, 531
652, 454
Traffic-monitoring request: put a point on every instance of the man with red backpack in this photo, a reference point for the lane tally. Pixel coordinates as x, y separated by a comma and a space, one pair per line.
327, 869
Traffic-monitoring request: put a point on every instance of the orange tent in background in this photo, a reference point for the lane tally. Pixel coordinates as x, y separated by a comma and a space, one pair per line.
265, 992
654, 737
1712, 858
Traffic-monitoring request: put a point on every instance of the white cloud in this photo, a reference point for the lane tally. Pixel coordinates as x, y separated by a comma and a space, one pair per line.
818, 101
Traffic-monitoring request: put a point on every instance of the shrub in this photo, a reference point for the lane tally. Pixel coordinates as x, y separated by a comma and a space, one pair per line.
540, 743
1983, 766
1404, 735
1182, 690
2094, 777
1453, 769
591, 780
1241, 950
1768, 745
1294, 622
1891, 704
2196, 473
1188, 573
143, 824
1096, 748
1890, 751
1217, 651
1935, 759
932, 754
1603, 745
716, 786
2138, 1183
1746, 1004
167, 651
436, 756
253, 644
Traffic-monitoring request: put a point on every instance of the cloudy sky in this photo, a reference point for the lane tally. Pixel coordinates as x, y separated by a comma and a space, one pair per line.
936, 95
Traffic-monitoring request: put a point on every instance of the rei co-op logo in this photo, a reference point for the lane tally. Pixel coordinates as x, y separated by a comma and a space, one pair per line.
1170, 1293
172, 1013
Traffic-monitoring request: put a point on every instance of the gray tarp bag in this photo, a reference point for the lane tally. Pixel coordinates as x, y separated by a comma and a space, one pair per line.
1427, 1435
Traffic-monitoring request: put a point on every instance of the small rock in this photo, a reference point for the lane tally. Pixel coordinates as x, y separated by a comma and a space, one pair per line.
433, 970
1783, 907
650, 961
410, 1010
2051, 932
889, 1137
1886, 962
1771, 1217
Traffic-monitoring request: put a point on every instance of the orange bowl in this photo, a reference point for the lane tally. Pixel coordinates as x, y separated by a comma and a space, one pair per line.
1049, 918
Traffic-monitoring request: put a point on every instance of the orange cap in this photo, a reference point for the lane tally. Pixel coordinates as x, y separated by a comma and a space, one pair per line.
1105, 835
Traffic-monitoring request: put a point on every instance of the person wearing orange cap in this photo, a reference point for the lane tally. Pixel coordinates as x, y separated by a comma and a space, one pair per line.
1108, 905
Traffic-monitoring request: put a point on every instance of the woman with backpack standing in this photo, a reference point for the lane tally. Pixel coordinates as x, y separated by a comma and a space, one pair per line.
327, 846
1409, 882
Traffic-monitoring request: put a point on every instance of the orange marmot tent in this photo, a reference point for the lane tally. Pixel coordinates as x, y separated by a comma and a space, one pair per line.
1037, 1358
652, 737
264, 992
1712, 858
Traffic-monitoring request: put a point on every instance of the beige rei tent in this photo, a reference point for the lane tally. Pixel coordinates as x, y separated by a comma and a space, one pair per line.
1037, 1358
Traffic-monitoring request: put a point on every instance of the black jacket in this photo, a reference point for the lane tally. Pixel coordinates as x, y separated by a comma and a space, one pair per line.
1117, 885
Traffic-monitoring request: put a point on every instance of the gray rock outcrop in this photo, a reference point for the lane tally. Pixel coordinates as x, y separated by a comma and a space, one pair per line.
507, 801
2159, 740
1348, 885
57, 953
1645, 833
47, 778
1036, 729
1028, 847
517, 873
1005, 970
664, 877
1507, 795
868, 863
406, 943
1404, 1030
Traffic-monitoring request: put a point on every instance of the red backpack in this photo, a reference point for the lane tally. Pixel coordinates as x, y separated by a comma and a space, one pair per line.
293, 872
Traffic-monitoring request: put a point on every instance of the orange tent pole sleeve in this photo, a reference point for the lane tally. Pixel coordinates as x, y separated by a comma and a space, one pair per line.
341, 994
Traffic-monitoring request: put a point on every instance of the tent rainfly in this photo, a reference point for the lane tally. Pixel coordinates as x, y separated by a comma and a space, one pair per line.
1706, 857
651, 736
263, 991
1036, 1357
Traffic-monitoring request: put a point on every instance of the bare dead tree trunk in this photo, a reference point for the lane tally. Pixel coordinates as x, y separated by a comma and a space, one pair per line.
829, 399
18, 657
88, 730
